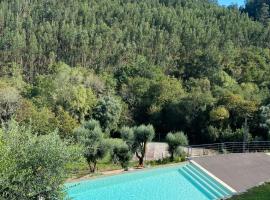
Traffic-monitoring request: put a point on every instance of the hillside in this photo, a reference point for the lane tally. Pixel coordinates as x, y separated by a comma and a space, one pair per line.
187, 65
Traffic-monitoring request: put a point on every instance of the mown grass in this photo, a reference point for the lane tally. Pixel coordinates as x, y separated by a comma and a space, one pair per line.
258, 193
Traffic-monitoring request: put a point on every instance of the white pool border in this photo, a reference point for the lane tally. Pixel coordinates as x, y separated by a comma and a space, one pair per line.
213, 176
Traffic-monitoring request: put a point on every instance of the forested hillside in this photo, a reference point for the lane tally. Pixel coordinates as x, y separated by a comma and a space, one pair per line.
181, 65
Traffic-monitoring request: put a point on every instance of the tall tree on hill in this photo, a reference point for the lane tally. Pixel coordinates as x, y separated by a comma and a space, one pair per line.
259, 10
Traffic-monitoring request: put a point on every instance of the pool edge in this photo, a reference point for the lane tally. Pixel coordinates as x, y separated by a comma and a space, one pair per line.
127, 172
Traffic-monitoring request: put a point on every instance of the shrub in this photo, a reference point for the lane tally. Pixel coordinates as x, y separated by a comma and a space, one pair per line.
121, 153
175, 140
31, 166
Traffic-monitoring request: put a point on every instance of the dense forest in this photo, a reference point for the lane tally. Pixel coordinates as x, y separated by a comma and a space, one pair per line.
258, 10
78, 74
184, 65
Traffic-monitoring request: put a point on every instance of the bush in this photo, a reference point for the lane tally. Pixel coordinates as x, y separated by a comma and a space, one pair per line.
121, 153
31, 166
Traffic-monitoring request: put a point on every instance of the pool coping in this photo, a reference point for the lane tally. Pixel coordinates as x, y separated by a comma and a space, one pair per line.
121, 172
213, 176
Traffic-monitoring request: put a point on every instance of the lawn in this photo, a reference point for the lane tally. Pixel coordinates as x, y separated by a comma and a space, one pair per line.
80, 168
258, 193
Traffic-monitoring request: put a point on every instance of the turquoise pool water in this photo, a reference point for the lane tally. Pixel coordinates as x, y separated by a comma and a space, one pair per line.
184, 182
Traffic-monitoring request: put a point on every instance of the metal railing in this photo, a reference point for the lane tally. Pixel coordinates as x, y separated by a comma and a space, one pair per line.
228, 147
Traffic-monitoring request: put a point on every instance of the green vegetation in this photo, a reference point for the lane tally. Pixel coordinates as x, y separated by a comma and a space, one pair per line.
258, 10
258, 193
109, 76
265, 118
121, 153
141, 136
175, 141
31, 166
178, 65
94, 145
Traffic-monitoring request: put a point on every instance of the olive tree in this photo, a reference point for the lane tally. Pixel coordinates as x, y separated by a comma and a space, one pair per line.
32, 166
127, 134
91, 137
121, 153
175, 140
137, 139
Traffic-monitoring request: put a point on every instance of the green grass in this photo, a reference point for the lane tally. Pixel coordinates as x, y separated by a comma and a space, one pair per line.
258, 193
80, 168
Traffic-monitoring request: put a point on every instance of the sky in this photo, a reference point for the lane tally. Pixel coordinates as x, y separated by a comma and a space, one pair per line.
229, 2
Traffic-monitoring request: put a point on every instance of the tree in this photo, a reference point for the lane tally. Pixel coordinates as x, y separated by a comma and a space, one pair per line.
127, 134
259, 10
108, 113
121, 153
65, 87
79, 101
264, 14
175, 140
66, 124
41, 120
91, 137
137, 139
265, 118
174, 65
212, 134
32, 166
14, 77
9, 101
142, 135
219, 115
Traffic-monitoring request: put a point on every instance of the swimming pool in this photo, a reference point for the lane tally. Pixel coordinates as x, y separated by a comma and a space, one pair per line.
183, 182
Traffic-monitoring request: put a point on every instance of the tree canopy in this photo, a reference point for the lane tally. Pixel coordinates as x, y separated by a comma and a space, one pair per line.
31, 166
85, 68
180, 65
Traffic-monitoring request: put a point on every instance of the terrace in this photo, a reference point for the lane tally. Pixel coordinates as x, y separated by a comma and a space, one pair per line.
215, 171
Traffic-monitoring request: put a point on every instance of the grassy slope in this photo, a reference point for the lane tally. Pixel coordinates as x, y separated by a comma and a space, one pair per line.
259, 193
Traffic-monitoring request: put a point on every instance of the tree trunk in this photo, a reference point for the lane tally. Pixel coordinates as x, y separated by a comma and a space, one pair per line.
140, 159
141, 162
172, 156
92, 168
